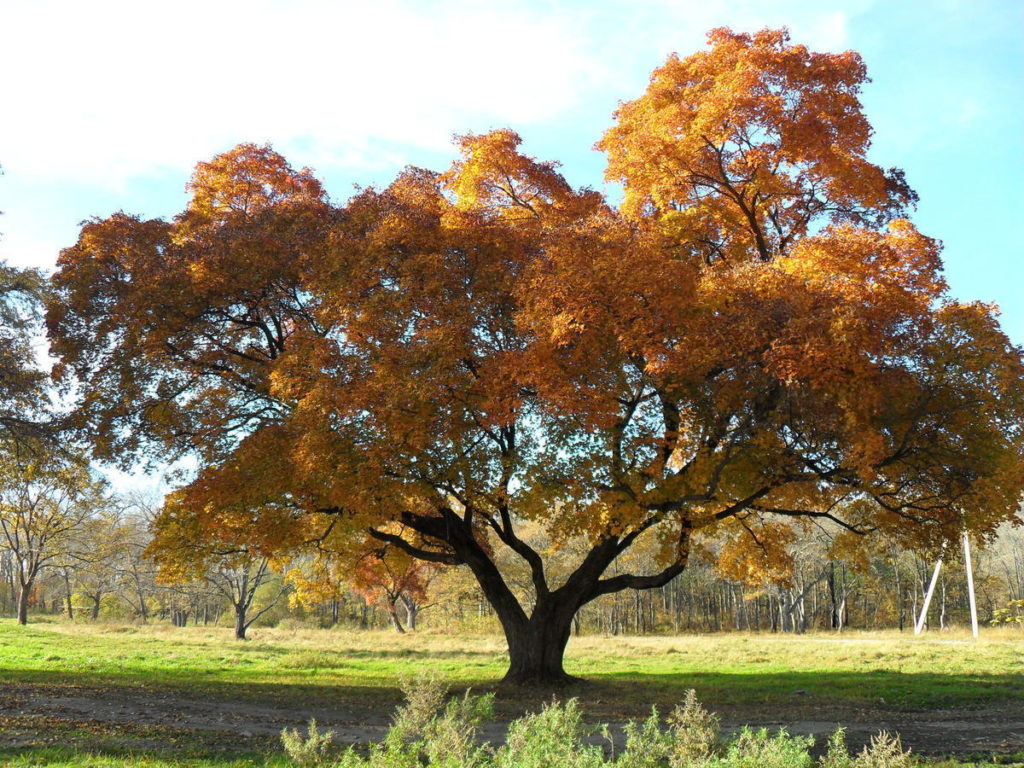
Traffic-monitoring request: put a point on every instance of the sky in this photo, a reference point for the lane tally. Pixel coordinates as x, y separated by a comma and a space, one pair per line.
107, 105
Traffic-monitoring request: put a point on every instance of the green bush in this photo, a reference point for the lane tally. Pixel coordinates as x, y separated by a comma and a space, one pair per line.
432, 730
759, 749
695, 733
314, 750
549, 738
885, 751
837, 755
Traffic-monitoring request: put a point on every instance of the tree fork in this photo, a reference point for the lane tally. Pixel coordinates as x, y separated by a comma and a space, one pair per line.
536, 643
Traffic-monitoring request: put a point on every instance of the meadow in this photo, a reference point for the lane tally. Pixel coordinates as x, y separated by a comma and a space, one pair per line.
98, 692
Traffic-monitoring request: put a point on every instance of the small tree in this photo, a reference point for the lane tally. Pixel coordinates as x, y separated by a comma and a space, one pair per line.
136, 572
224, 558
45, 499
379, 574
389, 576
95, 567
317, 584
238, 577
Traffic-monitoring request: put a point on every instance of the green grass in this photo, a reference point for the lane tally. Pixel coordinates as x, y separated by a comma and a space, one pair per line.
817, 676
58, 758
887, 670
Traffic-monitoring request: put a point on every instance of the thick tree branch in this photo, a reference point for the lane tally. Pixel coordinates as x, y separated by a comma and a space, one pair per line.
431, 556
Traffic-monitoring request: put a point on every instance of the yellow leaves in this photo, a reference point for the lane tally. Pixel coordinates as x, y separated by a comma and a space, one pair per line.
312, 587
757, 554
895, 270
244, 183
755, 140
684, 225
565, 328
494, 178
377, 571
850, 549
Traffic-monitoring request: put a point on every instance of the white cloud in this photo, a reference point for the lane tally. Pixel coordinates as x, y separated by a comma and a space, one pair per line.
114, 101
681, 26
830, 31
27, 246
117, 89
110, 90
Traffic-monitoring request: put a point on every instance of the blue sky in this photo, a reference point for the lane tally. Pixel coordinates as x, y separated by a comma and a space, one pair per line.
114, 102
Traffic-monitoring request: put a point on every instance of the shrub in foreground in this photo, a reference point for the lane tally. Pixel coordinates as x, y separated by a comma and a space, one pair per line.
313, 750
432, 732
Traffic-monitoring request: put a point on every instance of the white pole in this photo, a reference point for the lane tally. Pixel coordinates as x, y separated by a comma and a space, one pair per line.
928, 598
970, 584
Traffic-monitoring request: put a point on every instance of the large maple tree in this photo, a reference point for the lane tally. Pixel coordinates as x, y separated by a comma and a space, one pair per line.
754, 338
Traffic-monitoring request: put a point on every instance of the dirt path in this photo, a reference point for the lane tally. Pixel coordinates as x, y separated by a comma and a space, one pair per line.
995, 730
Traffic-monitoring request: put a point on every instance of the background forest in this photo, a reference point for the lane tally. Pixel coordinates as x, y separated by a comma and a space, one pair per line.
98, 569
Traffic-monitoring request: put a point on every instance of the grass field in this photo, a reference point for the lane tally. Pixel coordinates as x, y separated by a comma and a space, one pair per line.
872, 676
860, 669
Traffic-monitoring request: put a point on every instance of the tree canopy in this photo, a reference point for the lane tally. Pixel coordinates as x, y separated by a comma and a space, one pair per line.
22, 383
755, 339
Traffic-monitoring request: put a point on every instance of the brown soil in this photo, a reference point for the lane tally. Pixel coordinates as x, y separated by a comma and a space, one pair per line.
37, 709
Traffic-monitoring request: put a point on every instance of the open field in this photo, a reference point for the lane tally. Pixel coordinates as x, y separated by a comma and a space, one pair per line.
196, 693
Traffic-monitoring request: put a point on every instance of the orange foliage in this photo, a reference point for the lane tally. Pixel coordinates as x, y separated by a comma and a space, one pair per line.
385, 574
741, 149
758, 557
757, 330
187, 540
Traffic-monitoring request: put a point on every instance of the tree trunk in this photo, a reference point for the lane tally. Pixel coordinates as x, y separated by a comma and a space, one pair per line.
536, 647
395, 621
67, 597
412, 610
143, 609
900, 597
23, 603
536, 642
240, 625
942, 603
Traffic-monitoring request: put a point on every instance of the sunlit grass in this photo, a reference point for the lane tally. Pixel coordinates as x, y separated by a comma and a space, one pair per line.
886, 669
62, 758
740, 675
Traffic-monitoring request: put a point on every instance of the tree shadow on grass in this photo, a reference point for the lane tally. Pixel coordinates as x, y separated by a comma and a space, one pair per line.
384, 653
615, 695
876, 689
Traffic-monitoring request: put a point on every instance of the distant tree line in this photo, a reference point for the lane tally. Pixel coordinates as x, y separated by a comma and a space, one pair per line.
103, 569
